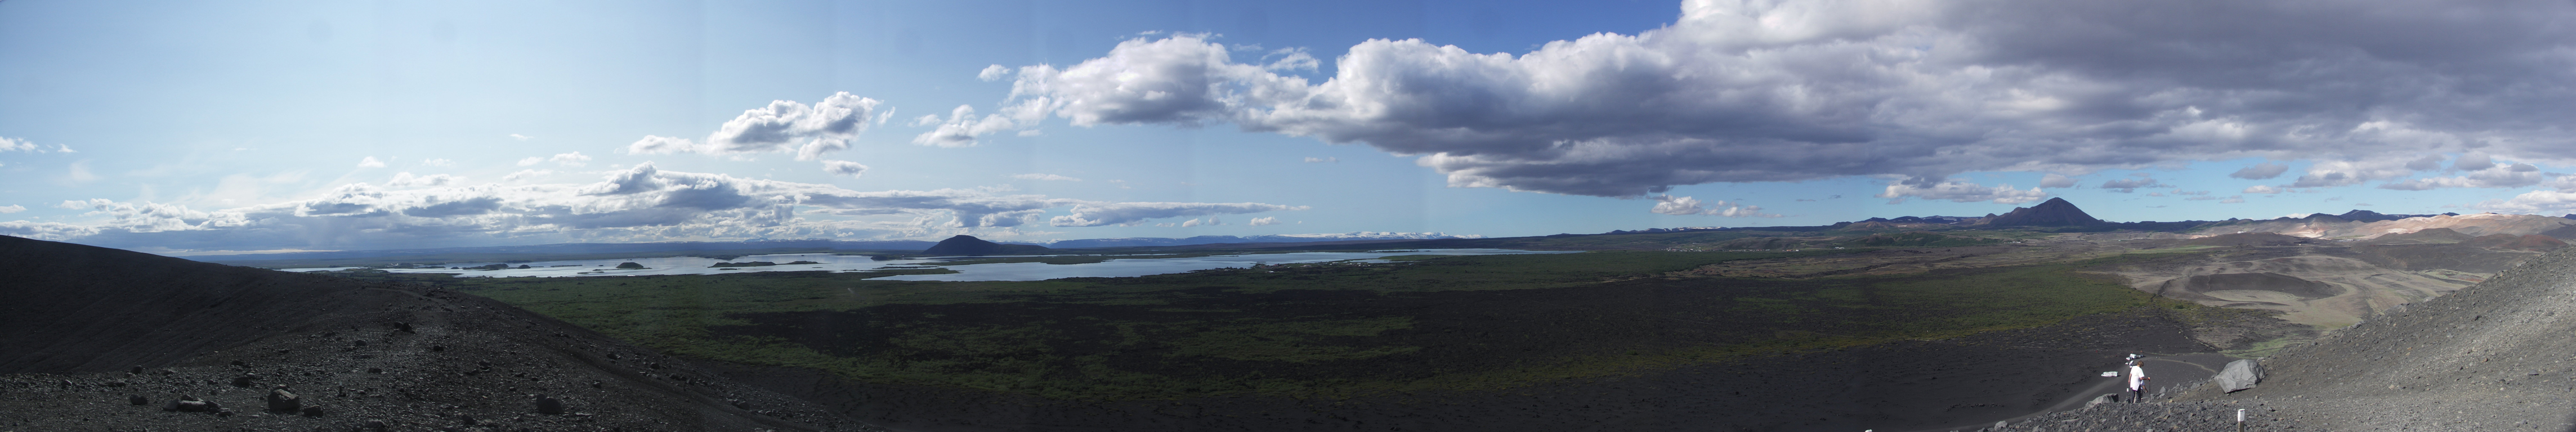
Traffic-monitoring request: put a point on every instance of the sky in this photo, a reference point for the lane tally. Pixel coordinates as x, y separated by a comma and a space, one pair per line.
217, 127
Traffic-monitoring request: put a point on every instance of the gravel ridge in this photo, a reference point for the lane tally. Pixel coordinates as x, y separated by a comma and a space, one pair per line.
2496, 356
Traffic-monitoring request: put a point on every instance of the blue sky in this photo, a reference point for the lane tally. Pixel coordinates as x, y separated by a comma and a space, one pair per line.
196, 127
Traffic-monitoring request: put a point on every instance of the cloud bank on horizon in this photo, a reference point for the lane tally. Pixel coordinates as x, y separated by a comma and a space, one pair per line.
1909, 92
638, 204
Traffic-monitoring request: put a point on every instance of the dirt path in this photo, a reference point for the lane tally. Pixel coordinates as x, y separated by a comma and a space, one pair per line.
2169, 372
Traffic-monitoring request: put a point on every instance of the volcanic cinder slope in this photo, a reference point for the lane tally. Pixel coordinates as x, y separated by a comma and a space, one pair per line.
104, 339
2496, 356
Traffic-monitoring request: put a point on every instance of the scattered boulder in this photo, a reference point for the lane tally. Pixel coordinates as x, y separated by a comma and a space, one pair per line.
2103, 399
2239, 375
138, 400
403, 326
361, 343
279, 400
244, 380
374, 424
312, 411
548, 405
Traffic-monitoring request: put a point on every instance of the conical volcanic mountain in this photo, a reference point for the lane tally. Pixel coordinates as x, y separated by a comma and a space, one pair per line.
2054, 212
105, 339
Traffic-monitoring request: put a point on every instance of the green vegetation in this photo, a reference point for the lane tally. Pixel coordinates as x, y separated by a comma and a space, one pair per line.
1304, 330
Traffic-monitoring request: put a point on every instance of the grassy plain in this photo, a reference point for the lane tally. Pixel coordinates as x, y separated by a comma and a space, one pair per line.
1310, 330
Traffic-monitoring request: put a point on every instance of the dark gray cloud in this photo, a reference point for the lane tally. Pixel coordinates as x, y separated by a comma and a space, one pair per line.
1781, 91
2128, 185
2268, 170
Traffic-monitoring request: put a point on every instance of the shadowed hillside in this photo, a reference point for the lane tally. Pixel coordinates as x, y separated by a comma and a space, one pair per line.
105, 339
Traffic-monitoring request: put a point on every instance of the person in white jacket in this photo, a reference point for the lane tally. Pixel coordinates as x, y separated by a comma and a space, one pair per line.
2137, 382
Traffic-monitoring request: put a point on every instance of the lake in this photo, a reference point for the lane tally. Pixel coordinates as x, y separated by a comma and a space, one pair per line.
1119, 266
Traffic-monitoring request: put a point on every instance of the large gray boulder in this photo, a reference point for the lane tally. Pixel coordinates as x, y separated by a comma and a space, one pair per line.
2239, 375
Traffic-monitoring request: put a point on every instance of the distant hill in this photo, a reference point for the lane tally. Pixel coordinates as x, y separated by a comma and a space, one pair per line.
966, 245
2054, 212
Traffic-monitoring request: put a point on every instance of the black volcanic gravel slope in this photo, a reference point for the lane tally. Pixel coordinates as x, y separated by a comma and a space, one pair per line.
2493, 356
2496, 356
103, 339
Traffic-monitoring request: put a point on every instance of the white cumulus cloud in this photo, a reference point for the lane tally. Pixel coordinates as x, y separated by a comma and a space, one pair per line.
783, 126
574, 159
408, 180
17, 144
1685, 206
1265, 220
370, 162
842, 167
642, 203
13, 208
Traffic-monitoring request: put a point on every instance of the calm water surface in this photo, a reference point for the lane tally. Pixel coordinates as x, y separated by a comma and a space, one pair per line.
1132, 265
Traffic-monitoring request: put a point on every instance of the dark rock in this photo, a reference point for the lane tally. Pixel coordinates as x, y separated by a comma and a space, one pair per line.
375, 370
244, 380
239, 363
312, 411
403, 326
279, 400
374, 424
138, 400
361, 343
136, 370
548, 405
438, 348
190, 406
222, 412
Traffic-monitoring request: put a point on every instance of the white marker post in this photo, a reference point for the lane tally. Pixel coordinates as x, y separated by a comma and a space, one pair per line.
2240, 420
